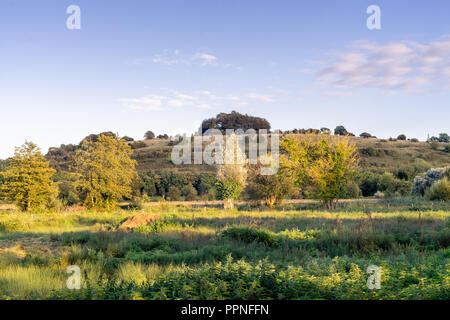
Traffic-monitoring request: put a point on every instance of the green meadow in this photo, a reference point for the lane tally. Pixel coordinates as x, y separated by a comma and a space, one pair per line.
199, 251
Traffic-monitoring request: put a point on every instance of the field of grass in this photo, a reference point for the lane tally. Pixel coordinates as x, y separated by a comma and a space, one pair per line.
199, 251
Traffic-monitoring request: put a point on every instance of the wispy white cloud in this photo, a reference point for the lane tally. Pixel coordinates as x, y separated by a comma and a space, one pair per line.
169, 58
401, 66
202, 59
260, 97
148, 103
205, 58
166, 100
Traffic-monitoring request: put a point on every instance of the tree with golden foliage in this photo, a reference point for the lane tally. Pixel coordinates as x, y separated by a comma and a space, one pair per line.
327, 163
106, 171
28, 179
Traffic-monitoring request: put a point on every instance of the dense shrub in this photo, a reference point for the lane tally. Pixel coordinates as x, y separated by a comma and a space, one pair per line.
339, 278
420, 184
440, 190
204, 182
249, 235
368, 182
189, 192
391, 186
340, 131
174, 193
271, 189
410, 171
138, 145
149, 135
352, 190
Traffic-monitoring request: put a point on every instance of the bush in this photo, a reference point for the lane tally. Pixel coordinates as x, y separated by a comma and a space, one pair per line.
250, 235
149, 135
444, 137
340, 131
189, 192
136, 203
401, 137
353, 190
138, 145
212, 194
391, 186
439, 190
174, 193
368, 182
447, 148
204, 182
420, 184
128, 139
365, 135
270, 188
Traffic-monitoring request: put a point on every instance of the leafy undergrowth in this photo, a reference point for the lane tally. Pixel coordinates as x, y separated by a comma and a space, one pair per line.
200, 253
338, 278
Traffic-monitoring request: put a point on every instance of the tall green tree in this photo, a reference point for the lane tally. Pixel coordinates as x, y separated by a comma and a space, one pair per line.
106, 171
326, 163
28, 178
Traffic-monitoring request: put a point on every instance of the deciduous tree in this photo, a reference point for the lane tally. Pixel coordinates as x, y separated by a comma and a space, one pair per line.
28, 178
106, 171
325, 162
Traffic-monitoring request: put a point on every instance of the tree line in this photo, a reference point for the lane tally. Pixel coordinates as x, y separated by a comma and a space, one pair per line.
100, 171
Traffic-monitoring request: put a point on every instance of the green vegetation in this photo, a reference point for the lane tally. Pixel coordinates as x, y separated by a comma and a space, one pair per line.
297, 251
274, 246
439, 190
323, 162
105, 170
271, 189
235, 120
27, 179
387, 167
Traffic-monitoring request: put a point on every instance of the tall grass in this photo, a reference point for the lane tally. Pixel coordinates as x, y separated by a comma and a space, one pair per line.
201, 252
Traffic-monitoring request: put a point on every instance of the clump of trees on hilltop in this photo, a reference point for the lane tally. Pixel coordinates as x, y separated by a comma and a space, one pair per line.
235, 120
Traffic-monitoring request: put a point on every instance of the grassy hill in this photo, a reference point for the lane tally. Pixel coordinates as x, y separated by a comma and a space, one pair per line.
376, 154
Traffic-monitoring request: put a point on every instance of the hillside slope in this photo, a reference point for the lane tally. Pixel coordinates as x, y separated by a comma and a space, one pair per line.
376, 154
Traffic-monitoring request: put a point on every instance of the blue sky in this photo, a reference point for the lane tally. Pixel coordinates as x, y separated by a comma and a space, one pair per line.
166, 65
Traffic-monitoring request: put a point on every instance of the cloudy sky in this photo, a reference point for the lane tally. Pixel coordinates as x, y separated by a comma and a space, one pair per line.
166, 65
